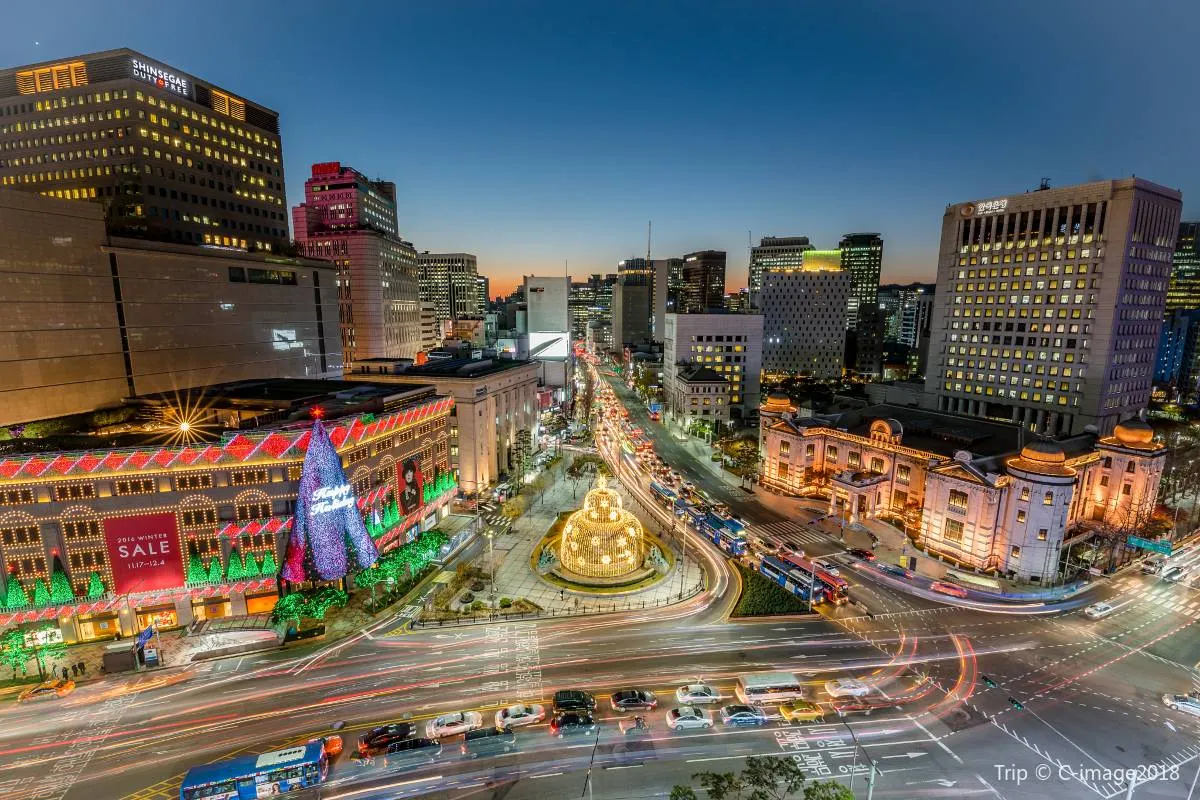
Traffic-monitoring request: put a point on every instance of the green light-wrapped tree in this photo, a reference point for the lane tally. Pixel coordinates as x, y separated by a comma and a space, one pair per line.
214, 570
41, 593
14, 595
250, 569
236, 570
60, 586
195, 569
95, 588
268, 567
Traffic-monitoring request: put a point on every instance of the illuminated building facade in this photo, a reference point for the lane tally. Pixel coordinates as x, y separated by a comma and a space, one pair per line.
90, 319
1049, 304
862, 257
167, 155
703, 287
351, 220
774, 252
804, 316
1183, 292
728, 344
968, 489
450, 282
172, 533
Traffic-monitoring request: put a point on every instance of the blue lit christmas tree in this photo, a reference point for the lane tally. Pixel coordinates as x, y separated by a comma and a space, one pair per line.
327, 522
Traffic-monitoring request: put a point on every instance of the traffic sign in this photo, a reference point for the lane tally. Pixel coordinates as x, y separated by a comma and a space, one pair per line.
1145, 544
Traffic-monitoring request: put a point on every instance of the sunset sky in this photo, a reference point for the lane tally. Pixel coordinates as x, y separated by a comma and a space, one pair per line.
534, 134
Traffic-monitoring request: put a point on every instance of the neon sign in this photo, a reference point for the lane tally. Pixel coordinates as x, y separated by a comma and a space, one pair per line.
991, 206
161, 78
331, 498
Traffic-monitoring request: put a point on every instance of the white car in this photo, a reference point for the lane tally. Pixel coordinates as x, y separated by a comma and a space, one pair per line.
847, 687
697, 693
828, 566
453, 724
1182, 702
688, 717
520, 715
1098, 610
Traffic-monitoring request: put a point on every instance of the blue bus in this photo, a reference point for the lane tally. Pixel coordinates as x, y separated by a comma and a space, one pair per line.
716, 531
250, 777
662, 495
791, 579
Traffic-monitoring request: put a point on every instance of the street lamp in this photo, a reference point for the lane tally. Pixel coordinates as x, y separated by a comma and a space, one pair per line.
854, 766
492, 568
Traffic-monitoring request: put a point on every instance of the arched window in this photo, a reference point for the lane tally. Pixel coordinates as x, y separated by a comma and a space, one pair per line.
1048, 500
252, 505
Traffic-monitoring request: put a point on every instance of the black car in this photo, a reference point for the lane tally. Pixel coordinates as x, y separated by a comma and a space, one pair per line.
894, 569
412, 753
571, 723
858, 552
573, 700
488, 742
629, 699
381, 738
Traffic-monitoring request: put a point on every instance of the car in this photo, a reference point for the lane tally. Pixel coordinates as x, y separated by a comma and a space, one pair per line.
952, 589
573, 700
629, 699
695, 693
383, 737
801, 711
332, 745
1098, 610
687, 718
412, 753
743, 715
894, 569
453, 724
1174, 574
488, 742
828, 566
847, 687
520, 715
573, 723
47, 690
858, 552
1188, 703
637, 726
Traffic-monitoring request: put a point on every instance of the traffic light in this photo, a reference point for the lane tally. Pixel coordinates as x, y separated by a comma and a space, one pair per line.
991, 683
1015, 703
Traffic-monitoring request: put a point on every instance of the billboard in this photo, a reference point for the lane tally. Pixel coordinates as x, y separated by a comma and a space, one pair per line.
549, 345
412, 486
144, 553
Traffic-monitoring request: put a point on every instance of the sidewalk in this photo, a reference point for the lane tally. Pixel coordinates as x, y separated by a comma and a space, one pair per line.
515, 578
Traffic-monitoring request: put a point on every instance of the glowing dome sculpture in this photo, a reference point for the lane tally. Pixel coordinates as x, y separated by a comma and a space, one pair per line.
602, 539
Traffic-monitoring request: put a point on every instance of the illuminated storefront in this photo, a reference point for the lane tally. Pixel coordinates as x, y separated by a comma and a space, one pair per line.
112, 541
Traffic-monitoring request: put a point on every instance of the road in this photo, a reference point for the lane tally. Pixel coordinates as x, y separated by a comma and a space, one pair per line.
1090, 692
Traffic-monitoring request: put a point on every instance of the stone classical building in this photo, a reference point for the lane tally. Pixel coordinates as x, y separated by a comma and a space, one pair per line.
978, 492
700, 394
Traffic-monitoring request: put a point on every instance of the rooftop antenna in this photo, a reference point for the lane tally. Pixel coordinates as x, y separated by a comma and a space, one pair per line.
649, 230
1045, 184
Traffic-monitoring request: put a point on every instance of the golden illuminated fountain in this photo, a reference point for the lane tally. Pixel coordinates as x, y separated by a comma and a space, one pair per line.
601, 547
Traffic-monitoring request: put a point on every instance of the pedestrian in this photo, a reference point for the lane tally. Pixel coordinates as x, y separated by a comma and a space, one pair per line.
74, 670
65, 675
83, 668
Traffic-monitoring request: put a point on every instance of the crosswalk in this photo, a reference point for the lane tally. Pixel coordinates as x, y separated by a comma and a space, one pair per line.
1164, 596
789, 531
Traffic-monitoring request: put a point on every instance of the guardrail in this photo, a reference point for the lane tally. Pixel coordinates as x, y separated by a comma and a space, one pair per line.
603, 608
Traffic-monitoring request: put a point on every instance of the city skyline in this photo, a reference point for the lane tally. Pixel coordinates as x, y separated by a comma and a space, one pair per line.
534, 161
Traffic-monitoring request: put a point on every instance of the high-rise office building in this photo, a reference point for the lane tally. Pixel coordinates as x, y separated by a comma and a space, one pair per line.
1184, 289
89, 319
548, 324
862, 257
703, 286
448, 280
590, 301
1049, 304
674, 269
635, 271
729, 344
804, 316
483, 285
630, 314
774, 252
905, 310
350, 220
168, 156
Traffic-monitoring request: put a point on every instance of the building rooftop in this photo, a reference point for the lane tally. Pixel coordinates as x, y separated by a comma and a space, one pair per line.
933, 431
456, 367
700, 374
208, 413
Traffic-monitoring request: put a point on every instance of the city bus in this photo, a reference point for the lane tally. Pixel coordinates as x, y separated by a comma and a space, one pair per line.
250, 777
662, 495
769, 687
714, 529
790, 578
837, 589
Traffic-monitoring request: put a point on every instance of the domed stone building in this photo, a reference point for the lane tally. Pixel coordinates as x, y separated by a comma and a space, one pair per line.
984, 493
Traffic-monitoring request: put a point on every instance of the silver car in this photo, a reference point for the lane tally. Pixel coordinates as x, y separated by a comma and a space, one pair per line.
453, 724
1187, 703
687, 718
520, 715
